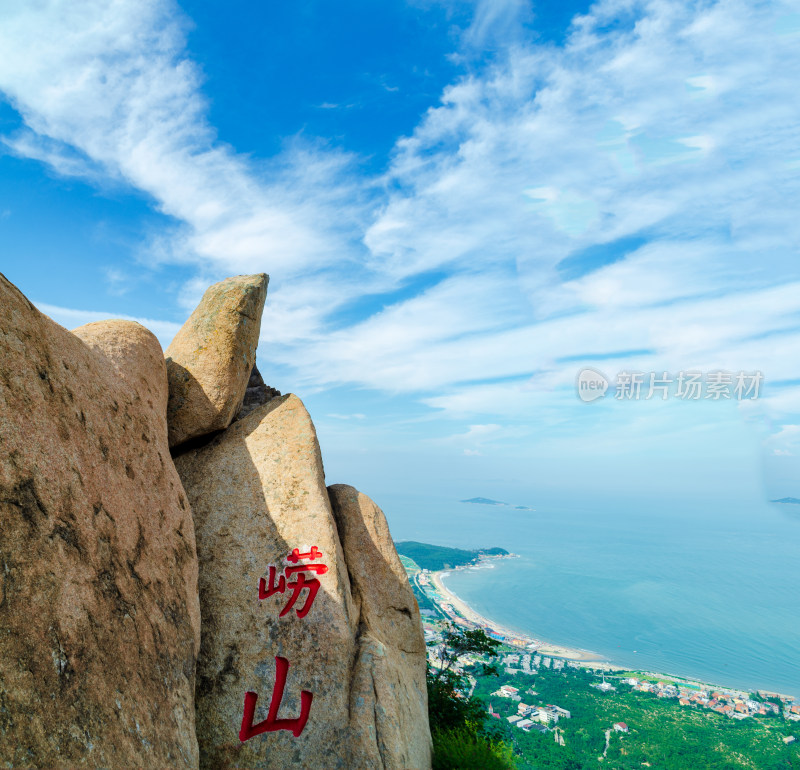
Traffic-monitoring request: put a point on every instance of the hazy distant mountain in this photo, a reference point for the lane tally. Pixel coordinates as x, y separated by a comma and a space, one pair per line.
483, 501
790, 500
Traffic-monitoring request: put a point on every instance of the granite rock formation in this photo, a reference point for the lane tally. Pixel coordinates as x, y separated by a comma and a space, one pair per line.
258, 492
99, 613
310, 651
388, 695
212, 356
258, 495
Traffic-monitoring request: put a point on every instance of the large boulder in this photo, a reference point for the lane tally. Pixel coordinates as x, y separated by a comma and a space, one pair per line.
99, 613
210, 360
388, 698
258, 494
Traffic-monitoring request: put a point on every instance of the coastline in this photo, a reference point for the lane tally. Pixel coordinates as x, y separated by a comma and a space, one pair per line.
584, 657
575, 655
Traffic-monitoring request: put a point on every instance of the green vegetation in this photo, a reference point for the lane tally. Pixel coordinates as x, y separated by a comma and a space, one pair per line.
464, 749
438, 557
462, 739
662, 733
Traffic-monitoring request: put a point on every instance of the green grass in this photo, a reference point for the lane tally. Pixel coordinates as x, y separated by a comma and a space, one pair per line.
464, 750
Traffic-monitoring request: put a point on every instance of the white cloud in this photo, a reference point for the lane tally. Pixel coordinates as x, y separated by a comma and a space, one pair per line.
72, 318
674, 127
107, 92
479, 432
784, 442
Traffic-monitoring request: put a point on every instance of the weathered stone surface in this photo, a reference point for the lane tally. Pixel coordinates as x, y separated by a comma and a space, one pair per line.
257, 492
210, 360
99, 615
257, 394
389, 702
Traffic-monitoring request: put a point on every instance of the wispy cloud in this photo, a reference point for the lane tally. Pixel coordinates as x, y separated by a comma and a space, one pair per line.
107, 91
659, 127
71, 318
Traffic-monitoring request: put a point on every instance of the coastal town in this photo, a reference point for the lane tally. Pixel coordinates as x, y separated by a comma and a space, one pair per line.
525, 659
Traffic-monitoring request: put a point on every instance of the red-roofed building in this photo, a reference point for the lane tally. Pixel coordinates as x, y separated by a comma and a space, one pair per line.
620, 727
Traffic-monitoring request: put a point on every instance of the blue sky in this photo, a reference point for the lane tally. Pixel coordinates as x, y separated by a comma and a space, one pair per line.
460, 203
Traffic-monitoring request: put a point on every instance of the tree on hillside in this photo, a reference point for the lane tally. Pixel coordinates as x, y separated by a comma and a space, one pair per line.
457, 642
460, 736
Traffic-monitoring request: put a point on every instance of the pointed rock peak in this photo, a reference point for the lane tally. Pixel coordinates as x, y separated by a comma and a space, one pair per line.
212, 356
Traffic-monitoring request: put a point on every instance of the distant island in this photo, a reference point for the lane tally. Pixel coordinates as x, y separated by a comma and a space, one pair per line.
439, 557
489, 501
787, 500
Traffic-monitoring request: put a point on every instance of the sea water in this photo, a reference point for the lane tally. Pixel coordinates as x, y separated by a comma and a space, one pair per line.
707, 594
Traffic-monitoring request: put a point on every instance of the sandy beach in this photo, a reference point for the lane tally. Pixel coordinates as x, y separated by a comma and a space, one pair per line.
585, 657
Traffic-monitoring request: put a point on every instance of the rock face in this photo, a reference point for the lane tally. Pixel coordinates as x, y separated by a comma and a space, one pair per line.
258, 492
311, 652
99, 615
210, 360
388, 700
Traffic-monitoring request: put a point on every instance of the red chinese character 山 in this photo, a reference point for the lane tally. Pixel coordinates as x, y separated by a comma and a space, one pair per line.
298, 584
272, 723
295, 578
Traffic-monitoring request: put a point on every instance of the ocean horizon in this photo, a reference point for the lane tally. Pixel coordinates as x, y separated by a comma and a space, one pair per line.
707, 593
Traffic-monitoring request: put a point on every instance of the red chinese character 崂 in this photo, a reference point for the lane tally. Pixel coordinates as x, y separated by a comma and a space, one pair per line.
298, 584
